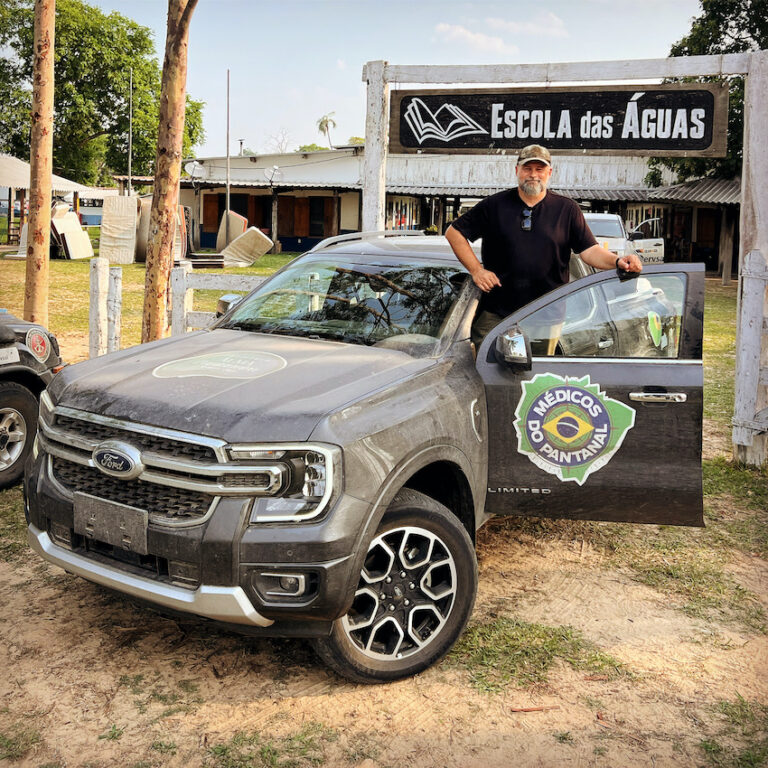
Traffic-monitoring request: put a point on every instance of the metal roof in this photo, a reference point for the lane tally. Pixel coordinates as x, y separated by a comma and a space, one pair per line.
577, 193
603, 193
719, 191
256, 184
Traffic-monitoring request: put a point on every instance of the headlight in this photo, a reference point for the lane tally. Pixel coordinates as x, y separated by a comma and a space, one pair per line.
312, 472
46, 407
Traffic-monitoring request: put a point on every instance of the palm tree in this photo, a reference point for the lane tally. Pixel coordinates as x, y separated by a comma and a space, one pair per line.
324, 125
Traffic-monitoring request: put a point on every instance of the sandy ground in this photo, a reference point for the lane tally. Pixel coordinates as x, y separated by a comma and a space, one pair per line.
72, 654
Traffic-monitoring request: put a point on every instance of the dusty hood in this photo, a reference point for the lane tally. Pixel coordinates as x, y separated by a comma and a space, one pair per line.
238, 386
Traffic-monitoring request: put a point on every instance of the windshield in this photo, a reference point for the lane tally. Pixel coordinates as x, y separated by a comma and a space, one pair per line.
605, 227
388, 303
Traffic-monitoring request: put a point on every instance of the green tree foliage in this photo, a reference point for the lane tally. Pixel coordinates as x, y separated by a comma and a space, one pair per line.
355, 140
94, 55
724, 26
312, 148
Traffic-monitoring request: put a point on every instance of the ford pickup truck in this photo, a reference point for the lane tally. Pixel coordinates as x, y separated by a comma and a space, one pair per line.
317, 462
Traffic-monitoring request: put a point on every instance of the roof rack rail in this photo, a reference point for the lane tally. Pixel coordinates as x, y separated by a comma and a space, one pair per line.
365, 236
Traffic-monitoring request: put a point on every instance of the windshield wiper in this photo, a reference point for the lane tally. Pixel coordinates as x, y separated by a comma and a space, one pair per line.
310, 333
343, 336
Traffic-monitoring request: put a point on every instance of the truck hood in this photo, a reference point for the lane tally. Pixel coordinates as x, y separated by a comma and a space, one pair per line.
234, 385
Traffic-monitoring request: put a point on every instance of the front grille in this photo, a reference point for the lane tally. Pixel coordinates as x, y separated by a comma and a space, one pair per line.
162, 446
245, 481
161, 502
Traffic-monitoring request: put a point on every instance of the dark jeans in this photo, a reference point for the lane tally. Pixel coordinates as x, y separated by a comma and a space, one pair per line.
485, 322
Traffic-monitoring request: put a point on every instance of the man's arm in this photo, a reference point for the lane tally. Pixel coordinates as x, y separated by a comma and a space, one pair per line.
483, 278
601, 258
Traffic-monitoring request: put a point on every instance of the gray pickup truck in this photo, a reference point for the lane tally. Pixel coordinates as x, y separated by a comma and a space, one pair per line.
317, 462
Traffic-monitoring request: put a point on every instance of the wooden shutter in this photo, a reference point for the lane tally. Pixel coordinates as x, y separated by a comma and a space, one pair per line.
301, 217
210, 213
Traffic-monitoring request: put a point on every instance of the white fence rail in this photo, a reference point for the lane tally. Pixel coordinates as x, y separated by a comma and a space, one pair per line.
183, 284
105, 311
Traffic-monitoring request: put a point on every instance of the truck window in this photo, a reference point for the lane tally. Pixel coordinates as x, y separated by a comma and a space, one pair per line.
638, 318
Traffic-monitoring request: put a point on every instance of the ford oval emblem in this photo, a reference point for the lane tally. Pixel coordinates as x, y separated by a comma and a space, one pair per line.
118, 459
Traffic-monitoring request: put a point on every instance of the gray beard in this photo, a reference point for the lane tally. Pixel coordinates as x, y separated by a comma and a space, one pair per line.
532, 187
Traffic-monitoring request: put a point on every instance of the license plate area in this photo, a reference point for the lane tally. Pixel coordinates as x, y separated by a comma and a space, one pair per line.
115, 524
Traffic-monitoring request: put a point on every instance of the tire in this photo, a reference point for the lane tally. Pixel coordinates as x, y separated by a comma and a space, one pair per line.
401, 622
18, 425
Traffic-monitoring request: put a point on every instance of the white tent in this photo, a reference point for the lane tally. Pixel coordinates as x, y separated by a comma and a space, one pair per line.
14, 173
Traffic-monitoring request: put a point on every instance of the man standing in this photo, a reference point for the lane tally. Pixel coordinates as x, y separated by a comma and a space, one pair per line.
528, 234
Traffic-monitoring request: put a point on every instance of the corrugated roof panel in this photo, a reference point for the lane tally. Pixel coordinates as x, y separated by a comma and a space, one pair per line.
577, 193
717, 191
256, 184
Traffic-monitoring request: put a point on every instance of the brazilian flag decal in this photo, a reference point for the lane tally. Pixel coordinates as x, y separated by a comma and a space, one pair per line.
568, 427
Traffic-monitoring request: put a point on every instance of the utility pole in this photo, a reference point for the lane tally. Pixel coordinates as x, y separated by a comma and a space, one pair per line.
41, 163
165, 200
226, 212
130, 131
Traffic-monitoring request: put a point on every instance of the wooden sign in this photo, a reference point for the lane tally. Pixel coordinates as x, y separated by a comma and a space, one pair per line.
677, 119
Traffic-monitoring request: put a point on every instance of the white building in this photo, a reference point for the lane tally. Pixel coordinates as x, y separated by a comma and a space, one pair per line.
311, 195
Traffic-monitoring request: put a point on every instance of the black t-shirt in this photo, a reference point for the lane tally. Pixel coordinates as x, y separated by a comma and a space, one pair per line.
528, 263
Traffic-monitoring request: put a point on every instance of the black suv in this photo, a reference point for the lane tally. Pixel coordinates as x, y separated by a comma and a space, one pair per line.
318, 461
29, 355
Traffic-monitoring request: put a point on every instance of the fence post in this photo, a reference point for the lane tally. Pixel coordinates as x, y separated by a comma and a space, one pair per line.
97, 315
750, 385
181, 298
114, 308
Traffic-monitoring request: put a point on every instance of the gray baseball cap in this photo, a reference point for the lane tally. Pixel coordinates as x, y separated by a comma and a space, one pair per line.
534, 152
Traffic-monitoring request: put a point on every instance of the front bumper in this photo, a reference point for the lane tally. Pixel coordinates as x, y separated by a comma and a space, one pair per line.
227, 604
229, 557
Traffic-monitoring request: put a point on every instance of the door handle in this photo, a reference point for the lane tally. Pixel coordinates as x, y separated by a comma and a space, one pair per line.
658, 397
604, 343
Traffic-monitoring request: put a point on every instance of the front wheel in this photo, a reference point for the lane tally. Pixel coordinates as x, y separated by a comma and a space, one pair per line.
18, 424
415, 595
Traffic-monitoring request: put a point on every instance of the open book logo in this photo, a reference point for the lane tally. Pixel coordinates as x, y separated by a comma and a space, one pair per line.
445, 124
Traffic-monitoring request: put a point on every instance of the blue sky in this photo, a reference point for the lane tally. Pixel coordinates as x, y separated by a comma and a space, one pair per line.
293, 61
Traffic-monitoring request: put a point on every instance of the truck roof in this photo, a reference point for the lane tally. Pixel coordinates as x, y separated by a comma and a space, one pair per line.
391, 244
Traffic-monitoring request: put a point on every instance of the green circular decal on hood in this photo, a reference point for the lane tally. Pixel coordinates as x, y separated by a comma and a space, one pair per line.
222, 365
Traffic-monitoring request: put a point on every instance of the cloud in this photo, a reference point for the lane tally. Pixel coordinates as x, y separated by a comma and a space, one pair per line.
341, 64
453, 33
545, 24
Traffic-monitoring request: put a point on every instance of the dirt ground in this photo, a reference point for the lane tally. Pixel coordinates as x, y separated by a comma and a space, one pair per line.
107, 683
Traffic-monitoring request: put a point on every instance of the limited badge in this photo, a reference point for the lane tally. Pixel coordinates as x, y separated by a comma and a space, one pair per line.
38, 344
568, 427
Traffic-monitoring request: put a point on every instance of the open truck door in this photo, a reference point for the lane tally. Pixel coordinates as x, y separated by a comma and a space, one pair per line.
604, 424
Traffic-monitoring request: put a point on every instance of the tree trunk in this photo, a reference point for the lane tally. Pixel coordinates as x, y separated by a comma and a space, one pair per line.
41, 158
162, 220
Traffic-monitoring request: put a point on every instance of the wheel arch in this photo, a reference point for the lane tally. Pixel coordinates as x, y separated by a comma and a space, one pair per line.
25, 378
444, 481
423, 472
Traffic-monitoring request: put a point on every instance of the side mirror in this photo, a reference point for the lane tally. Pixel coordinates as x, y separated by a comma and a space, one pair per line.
514, 349
226, 302
636, 235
